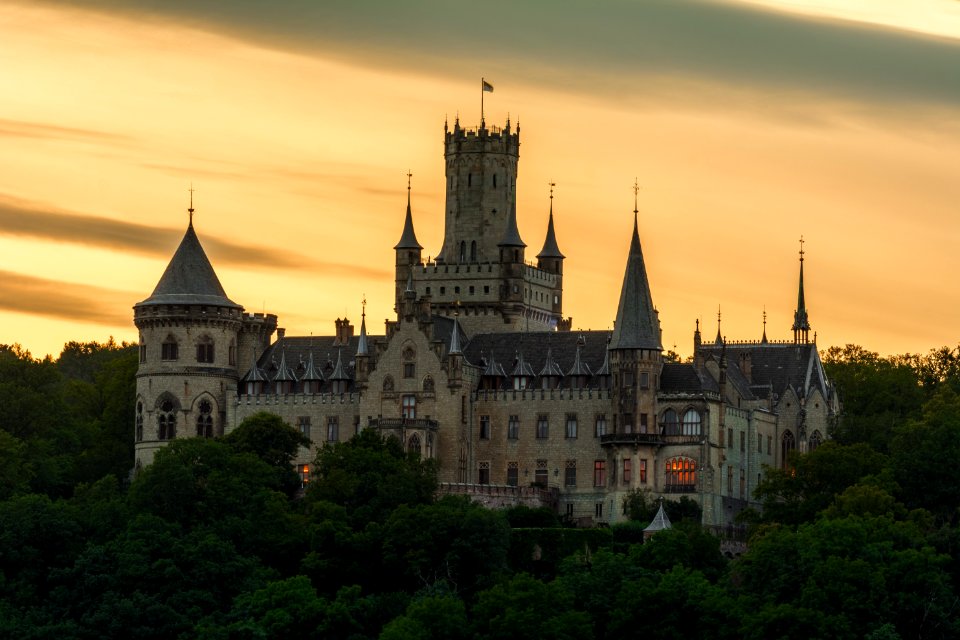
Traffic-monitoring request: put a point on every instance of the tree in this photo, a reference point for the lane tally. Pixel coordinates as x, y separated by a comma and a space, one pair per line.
524, 607
276, 443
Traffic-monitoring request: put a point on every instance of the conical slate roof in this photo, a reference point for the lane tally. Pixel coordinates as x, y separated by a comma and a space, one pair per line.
408, 239
284, 372
800, 320
338, 371
637, 325
362, 348
550, 367
550, 248
511, 235
522, 368
660, 521
312, 374
189, 278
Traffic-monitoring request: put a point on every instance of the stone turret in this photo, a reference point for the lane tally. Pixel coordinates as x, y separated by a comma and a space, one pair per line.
189, 331
408, 252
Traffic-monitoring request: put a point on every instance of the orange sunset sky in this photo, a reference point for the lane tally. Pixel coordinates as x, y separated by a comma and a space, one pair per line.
747, 124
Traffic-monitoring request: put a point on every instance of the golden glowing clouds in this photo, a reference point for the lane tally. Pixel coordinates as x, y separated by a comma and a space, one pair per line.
299, 160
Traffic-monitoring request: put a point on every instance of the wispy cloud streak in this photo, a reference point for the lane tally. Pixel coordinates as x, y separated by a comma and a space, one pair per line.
65, 301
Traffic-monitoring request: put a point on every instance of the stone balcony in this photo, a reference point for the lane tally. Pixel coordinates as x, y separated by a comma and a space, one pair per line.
652, 439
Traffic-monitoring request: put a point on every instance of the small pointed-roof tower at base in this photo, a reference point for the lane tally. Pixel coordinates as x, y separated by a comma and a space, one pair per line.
550, 248
660, 522
189, 279
408, 239
637, 326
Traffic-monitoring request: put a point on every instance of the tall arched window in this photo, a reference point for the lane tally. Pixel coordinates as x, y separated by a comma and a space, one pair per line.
205, 350
473, 251
139, 432
691, 423
463, 251
205, 420
681, 475
413, 444
388, 383
787, 444
815, 440
167, 420
670, 423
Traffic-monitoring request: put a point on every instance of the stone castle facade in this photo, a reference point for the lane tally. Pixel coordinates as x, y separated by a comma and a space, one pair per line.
481, 371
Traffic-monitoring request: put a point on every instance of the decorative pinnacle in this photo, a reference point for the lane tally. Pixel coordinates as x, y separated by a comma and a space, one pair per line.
409, 175
552, 185
636, 192
801, 248
363, 304
190, 210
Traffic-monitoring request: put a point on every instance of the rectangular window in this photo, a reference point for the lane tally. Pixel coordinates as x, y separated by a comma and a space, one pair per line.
730, 480
643, 423
571, 425
543, 426
303, 470
721, 438
769, 444
232, 355
484, 427
600, 473
540, 475
743, 484
570, 474
409, 407
598, 510
513, 474
743, 441
333, 428
409, 370
759, 443
628, 423
486, 289
643, 471
730, 437
483, 473
513, 428
627, 380
303, 423
569, 509
644, 380
601, 425
168, 351
625, 476
205, 352
143, 352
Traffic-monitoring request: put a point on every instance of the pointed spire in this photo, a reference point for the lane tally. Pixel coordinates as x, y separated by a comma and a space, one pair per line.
801, 323
408, 239
637, 325
550, 248
312, 374
763, 340
338, 371
362, 349
455, 348
511, 236
255, 374
522, 369
284, 372
659, 523
579, 368
189, 277
719, 338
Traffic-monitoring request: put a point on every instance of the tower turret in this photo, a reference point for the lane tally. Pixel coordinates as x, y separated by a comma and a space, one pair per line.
189, 332
408, 251
550, 259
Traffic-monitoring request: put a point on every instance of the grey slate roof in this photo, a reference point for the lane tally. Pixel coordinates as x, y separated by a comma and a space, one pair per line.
487, 348
683, 377
637, 326
189, 278
800, 320
284, 373
550, 248
511, 235
408, 239
660, 521
776, 367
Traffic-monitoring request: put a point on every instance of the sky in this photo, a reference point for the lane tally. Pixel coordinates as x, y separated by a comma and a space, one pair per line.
747, 124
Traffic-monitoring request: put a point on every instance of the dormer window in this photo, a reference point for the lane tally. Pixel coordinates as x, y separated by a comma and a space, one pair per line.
169, 350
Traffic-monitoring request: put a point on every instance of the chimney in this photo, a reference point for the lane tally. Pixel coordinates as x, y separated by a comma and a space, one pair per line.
280, 333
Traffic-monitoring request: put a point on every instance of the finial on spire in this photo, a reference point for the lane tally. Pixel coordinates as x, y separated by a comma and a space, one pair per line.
764, 339
363, 304
636, 192
190, 210
801, 248
552, 185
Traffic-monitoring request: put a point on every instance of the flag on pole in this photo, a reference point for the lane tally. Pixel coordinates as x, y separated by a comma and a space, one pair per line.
487, 86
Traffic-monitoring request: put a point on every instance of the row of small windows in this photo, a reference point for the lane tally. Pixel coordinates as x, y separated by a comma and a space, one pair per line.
692, 425
541, 476
167, 420
170, 350
470, 181
331, 434
456, 290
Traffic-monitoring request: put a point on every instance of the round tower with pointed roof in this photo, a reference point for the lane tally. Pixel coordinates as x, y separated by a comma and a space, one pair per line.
189, 333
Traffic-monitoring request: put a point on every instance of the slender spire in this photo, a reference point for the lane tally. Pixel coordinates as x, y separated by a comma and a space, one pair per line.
362, 349
455, 347
719, 338
550, 248
764, 339
408, 239
637, 325
511, 236
190, 210
338, 371
801, 323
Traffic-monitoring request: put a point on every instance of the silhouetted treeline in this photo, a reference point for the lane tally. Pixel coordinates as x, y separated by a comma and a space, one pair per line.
857, 539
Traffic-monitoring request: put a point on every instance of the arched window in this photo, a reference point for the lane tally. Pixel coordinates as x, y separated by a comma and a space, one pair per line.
815, 440
232, 353
139, 432
205, 420
787, 444
473, 251
413, 444
143, 349
428, 384
205, 350
388, 383
463, 251
169, 350
429, 445
691, 423
167, 420
681, 475
670, 425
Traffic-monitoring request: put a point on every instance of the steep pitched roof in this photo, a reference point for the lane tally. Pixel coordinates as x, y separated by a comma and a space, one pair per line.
511, 235
550, 248
800, 320
189, 278
660, 521
777, 367
637, 325
561, 345
408, 239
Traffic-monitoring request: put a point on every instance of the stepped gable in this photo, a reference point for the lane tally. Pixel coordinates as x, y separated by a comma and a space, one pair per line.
676, 377
189, 278
562, 345
775, 367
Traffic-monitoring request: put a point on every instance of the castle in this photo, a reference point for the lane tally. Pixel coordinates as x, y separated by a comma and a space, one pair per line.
481, 371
